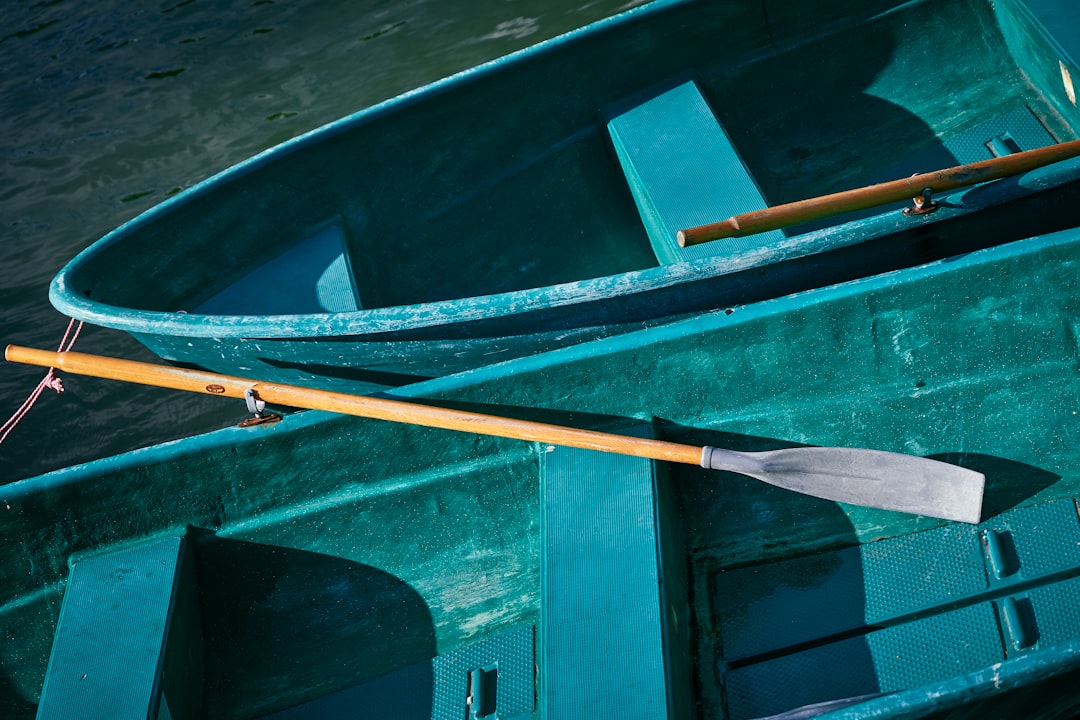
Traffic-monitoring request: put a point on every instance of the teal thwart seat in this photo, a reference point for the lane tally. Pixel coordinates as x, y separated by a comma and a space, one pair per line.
128, 644
683, 171
610, 617
314, 276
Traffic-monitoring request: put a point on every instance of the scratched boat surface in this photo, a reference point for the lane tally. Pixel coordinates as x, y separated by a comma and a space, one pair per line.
528, 204
325, 565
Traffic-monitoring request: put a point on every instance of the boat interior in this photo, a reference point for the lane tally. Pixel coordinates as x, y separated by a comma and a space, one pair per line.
537, 596
611, 144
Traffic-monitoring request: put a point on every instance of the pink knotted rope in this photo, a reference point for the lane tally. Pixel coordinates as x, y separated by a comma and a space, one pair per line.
51, 381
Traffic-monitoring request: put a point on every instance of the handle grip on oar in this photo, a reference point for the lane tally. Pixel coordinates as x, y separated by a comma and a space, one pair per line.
825, 206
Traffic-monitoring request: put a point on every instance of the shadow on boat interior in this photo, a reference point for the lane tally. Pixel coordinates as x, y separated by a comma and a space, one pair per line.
1008, 483
12, 704
283, 626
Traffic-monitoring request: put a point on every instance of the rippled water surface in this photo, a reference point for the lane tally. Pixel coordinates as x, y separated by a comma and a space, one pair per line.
109, 107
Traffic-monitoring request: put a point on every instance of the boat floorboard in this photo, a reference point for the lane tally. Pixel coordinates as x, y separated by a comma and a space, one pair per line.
896, 614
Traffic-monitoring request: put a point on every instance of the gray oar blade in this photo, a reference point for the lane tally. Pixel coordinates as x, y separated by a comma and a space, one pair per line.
872, 478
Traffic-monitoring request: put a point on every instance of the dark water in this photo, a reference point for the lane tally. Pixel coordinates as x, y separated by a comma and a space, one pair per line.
109, 107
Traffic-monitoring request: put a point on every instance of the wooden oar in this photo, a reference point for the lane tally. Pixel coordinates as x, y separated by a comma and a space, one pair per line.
873, 478
781, 216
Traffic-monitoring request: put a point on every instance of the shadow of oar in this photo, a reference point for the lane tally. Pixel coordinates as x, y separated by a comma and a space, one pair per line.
1008, 482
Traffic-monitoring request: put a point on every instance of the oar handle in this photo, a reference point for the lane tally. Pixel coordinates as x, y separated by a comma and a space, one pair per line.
824, 206
360, 405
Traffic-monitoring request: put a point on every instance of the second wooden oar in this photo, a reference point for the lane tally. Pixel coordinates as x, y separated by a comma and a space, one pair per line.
794, 213
871, 478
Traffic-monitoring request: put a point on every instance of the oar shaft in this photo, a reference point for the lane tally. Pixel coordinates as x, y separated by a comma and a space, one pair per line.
363, 406
824, 206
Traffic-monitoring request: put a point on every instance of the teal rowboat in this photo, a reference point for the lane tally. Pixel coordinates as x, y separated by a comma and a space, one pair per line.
533, 202
323, 565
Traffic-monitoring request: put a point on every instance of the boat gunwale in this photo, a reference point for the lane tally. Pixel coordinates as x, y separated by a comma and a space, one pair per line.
986, 682
160, 452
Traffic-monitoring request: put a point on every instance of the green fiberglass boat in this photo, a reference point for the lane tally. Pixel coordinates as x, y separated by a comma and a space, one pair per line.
326, 565
534, 202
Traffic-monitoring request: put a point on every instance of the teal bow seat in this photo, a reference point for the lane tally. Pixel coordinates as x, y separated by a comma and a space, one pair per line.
683, 171
128, 645
314, 276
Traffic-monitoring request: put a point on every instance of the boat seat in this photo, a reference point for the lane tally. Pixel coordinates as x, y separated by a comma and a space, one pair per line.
610, 578
127, 646
313, 276
897, 614
683, 171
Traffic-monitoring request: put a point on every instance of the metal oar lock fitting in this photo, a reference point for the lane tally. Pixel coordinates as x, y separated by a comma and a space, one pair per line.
922, 204
257, 407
